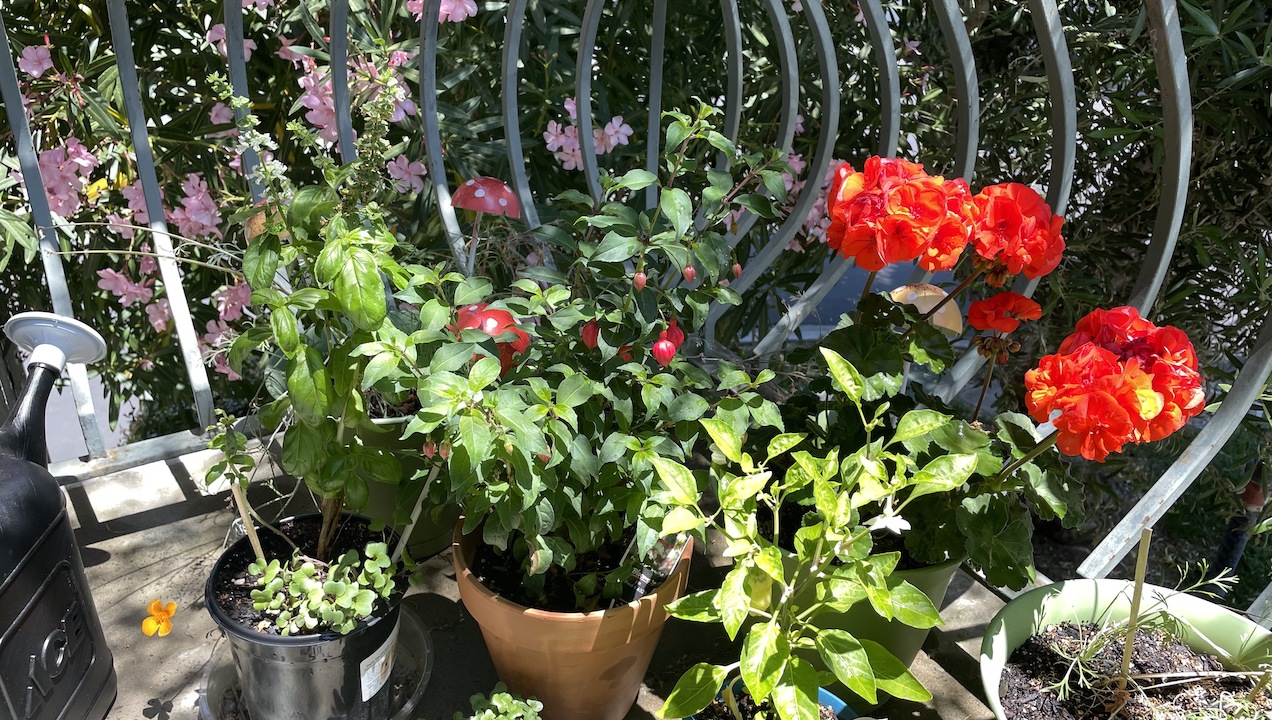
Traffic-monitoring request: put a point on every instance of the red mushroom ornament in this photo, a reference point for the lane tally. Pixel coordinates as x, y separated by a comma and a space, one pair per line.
485, 196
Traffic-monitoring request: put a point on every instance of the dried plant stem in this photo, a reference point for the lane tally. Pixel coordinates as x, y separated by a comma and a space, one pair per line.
240, 501
1141, 568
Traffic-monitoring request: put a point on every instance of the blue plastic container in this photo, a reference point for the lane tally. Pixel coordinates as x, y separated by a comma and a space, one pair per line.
824, 696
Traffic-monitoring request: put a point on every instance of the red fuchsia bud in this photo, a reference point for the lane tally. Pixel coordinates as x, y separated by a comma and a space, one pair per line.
591, 331
443, 450
625, 353
664, 350
690, 273
429, 449
674, 334
737, 270
639, 280
545, 457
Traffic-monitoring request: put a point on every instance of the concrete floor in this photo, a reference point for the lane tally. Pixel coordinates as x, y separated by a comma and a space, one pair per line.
153, 532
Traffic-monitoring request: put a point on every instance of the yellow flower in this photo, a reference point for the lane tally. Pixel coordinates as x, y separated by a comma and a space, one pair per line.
160, 619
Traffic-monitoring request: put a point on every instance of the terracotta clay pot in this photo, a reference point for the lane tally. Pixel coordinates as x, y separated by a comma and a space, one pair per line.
581, 666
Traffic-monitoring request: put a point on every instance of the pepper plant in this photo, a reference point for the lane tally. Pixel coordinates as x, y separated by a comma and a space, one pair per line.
784, 579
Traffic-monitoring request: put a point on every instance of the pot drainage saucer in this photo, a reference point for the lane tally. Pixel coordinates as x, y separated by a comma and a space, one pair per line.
413, 664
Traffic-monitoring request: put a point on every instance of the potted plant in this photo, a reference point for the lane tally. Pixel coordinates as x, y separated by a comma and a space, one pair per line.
1091, 632
310, 604
787, 581
550, 402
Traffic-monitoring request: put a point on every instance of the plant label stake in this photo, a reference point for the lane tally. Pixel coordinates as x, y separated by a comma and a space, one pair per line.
54, 662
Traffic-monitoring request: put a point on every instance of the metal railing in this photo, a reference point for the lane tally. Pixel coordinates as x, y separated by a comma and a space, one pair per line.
1171, 66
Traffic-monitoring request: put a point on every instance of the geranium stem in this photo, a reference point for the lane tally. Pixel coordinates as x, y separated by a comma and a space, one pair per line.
989, 377
1038, 449
967, 281
865, 292
1141, 568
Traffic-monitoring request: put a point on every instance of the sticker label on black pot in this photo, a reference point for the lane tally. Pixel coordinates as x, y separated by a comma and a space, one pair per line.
375, 670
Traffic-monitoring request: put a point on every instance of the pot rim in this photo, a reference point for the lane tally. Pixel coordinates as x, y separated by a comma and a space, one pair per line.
237, 629
458, 548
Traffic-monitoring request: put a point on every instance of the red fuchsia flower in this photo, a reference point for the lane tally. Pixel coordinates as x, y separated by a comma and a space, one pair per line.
690, 273
591, 331
429, 449
674, 334
1118, 379
625, 353
737, 270
444, 450
494, 322
892, 212
1015, 232
639, 280
664, 350
1002, 313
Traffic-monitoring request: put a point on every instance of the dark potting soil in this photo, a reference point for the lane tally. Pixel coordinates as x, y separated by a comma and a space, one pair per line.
501, 573
1029, 679
233, 586
718, 710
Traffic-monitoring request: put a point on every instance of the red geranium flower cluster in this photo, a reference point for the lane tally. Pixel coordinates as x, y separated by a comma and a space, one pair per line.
1002, 312
1014, 232
494, 322
896, 212
1117, 379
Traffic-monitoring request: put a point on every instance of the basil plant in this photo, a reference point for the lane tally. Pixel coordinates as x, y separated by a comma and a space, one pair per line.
786, 580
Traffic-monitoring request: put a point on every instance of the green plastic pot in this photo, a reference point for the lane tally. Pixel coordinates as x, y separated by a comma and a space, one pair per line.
1210, 628
393, 503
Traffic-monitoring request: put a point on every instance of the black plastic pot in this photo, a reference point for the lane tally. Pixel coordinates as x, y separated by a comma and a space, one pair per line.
54, 662
325, 676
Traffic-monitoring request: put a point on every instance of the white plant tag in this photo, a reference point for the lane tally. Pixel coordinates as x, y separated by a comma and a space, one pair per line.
377, 668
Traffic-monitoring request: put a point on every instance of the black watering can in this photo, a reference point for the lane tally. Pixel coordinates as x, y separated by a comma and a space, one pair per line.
54, 663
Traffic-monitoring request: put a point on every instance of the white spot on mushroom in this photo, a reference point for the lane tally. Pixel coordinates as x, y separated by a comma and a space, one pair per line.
480, 193
471, 182
503, 202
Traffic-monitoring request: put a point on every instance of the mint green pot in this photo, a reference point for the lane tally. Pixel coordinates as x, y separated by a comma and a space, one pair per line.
1210, 628
433, 530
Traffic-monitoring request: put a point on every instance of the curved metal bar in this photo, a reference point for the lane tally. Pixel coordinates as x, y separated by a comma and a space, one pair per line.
800, 309
583, 94
1172, 75
433, 134
657, 61
967, 112
238, 80
885, 54
168, 270
1247, 387
789, 63
733, 92
54, 273
827, 65
340, 78
1064, 104
511, 116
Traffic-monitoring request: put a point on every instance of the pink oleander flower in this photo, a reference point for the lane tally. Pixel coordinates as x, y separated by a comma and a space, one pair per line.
35, 60
231, 301
137, 293
198, 215
146, 364
216, 38
121, 226
147, 265
217, 330
317, 96
236, 159
136, 197
407, 176
221, 364
113, 281
159, 313
799, 124
616, 133
416, 7
64, 171
572, 108
222, 114
457, 10
285, 52
399, 58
